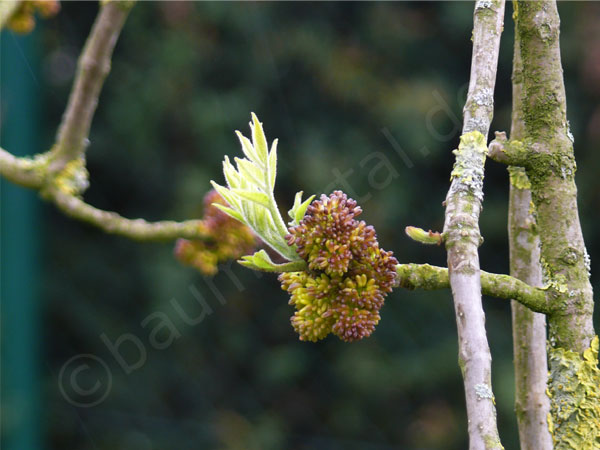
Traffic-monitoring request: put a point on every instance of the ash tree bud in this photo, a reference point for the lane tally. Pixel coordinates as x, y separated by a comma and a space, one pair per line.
229, 239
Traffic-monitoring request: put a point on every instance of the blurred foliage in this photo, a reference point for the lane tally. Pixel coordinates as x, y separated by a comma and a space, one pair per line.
22, 20
365, 97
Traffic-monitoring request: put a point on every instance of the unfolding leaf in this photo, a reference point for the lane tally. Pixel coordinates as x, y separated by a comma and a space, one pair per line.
299, 209
261, 261
230, 212
272, 166
247, 148
250, 191
259, 198
259, 141
250, 171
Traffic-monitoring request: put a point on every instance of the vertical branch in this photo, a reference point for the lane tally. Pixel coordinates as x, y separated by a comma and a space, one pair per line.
551, 170
574, 382
463, 205
529, 328
92, 68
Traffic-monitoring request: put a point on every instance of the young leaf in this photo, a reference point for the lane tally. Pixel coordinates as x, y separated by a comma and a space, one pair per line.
257, 197
250, 171
272, 167
227, 195
247, 148
259, 141
230, 212
250, 192
261, 261
299, 209
231, 175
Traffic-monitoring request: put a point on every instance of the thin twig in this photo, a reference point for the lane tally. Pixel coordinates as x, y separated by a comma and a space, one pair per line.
461, 228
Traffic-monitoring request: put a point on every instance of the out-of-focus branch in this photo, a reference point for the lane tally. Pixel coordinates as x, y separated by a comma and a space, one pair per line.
137, 229
426, 277
92, 69
461, 228
60, 174
25, 172
532, 405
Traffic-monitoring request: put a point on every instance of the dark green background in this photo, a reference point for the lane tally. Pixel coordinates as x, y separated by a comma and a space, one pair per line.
333, 81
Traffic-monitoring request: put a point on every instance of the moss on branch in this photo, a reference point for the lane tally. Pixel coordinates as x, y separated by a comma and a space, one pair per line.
427, 277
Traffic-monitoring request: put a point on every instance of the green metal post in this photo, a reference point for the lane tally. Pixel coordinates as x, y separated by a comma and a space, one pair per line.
19, 250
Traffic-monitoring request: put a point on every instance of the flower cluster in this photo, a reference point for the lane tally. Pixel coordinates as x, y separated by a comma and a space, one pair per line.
23, 21
230, 239
348, 274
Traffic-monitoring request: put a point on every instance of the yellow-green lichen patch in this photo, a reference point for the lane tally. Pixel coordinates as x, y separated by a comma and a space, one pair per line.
574, 391
73, 179
470, 160
518, 177
551, 280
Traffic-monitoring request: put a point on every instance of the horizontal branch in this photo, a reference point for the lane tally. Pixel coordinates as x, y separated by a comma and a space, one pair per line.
427, 277
25, 172
513, 152
136, 229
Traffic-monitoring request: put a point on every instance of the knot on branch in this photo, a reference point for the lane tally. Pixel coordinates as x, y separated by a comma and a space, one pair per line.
510, 152
72, 180
539, 160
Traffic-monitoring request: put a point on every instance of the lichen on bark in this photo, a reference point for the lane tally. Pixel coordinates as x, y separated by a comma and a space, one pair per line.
574, 391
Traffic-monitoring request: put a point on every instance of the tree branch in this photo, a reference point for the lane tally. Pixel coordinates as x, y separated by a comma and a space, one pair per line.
92, 69
424, 276
461, 228
553, 188
60, 174
532, 405
510, 152
137, 229
25, 172
566, 262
